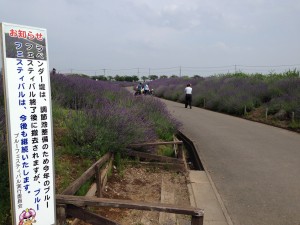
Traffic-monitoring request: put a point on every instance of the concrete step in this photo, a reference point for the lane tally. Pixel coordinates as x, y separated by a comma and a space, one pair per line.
203, 196
167, 196
147, 218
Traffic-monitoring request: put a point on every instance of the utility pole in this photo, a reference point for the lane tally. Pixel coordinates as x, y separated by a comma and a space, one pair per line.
138, 73
104, 71
180, 71
149, 71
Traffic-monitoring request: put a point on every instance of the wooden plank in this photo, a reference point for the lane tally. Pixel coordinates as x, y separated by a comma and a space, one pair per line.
88, 217
180, 152
85, 176
169, 166
149, 156
98, 181
61, 214
91, 192
155, 143
197, 220
104, 172
179, 148
120, 203
93, 189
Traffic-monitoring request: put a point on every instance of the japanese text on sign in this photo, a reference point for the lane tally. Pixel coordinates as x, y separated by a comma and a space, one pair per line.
30, 124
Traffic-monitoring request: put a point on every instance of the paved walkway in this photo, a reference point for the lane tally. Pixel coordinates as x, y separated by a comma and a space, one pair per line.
255, 168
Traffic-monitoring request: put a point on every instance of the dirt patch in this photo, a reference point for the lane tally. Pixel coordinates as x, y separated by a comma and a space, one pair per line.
144, 183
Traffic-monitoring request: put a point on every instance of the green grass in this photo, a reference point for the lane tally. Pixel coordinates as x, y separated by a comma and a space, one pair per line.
68, 169
4, 187
166, 150
84, 188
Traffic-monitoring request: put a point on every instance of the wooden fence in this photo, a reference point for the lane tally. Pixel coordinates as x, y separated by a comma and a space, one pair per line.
74, 206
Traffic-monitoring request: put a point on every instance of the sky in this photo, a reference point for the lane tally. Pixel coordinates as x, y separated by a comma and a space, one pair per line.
164, 37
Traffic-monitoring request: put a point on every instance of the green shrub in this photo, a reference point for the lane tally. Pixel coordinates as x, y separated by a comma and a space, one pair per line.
4, 188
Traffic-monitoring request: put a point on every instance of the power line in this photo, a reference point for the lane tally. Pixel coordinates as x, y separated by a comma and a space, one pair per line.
292, 65
180, 70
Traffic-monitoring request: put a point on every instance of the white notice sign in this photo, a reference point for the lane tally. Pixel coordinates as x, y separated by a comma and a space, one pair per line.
29, 124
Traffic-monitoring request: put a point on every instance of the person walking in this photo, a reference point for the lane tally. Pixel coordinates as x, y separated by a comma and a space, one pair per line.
188, 96
146, 89
139, 89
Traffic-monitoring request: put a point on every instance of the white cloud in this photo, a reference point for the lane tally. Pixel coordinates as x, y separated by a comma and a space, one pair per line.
97, 34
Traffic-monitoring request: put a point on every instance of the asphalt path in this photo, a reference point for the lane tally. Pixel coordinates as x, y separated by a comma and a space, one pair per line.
254, 167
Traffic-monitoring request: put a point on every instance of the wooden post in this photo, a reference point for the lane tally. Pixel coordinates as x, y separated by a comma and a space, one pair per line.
267, 113
61, 214
180, 151
90, 172
245, 110
104, 173
204, 103
175, 147
197, 220
293, 117
98, 181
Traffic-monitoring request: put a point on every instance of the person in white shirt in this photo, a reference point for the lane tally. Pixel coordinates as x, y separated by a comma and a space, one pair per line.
146, 89
188, 96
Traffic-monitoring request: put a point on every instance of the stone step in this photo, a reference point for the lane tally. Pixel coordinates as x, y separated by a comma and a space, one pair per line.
167, 196
203, 196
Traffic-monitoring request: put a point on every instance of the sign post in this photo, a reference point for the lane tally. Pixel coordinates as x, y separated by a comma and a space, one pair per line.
27, 91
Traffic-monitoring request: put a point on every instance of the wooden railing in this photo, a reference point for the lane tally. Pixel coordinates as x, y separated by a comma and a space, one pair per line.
74, 206
197, 214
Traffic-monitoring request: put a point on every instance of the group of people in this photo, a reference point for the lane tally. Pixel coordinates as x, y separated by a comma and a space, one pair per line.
143, 89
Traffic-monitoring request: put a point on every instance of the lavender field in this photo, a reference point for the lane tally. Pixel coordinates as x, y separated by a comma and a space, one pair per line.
241, 94
90, 118
102, 116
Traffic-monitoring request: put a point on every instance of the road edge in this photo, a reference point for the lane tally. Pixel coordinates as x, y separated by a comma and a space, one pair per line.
200, 159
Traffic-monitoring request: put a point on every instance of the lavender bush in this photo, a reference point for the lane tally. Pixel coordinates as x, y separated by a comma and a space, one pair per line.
103, 116
233, 93
285, 95
224, 94
90, 118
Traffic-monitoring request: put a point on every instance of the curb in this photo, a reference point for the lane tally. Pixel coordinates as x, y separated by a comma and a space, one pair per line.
200, 165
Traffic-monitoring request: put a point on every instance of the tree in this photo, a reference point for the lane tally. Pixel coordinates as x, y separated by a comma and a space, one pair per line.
163, 77
153, 77
119, 78
144, 78
100, 77
126, 78
135, 78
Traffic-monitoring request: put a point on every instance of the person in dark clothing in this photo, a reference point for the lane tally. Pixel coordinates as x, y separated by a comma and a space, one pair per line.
188, 96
